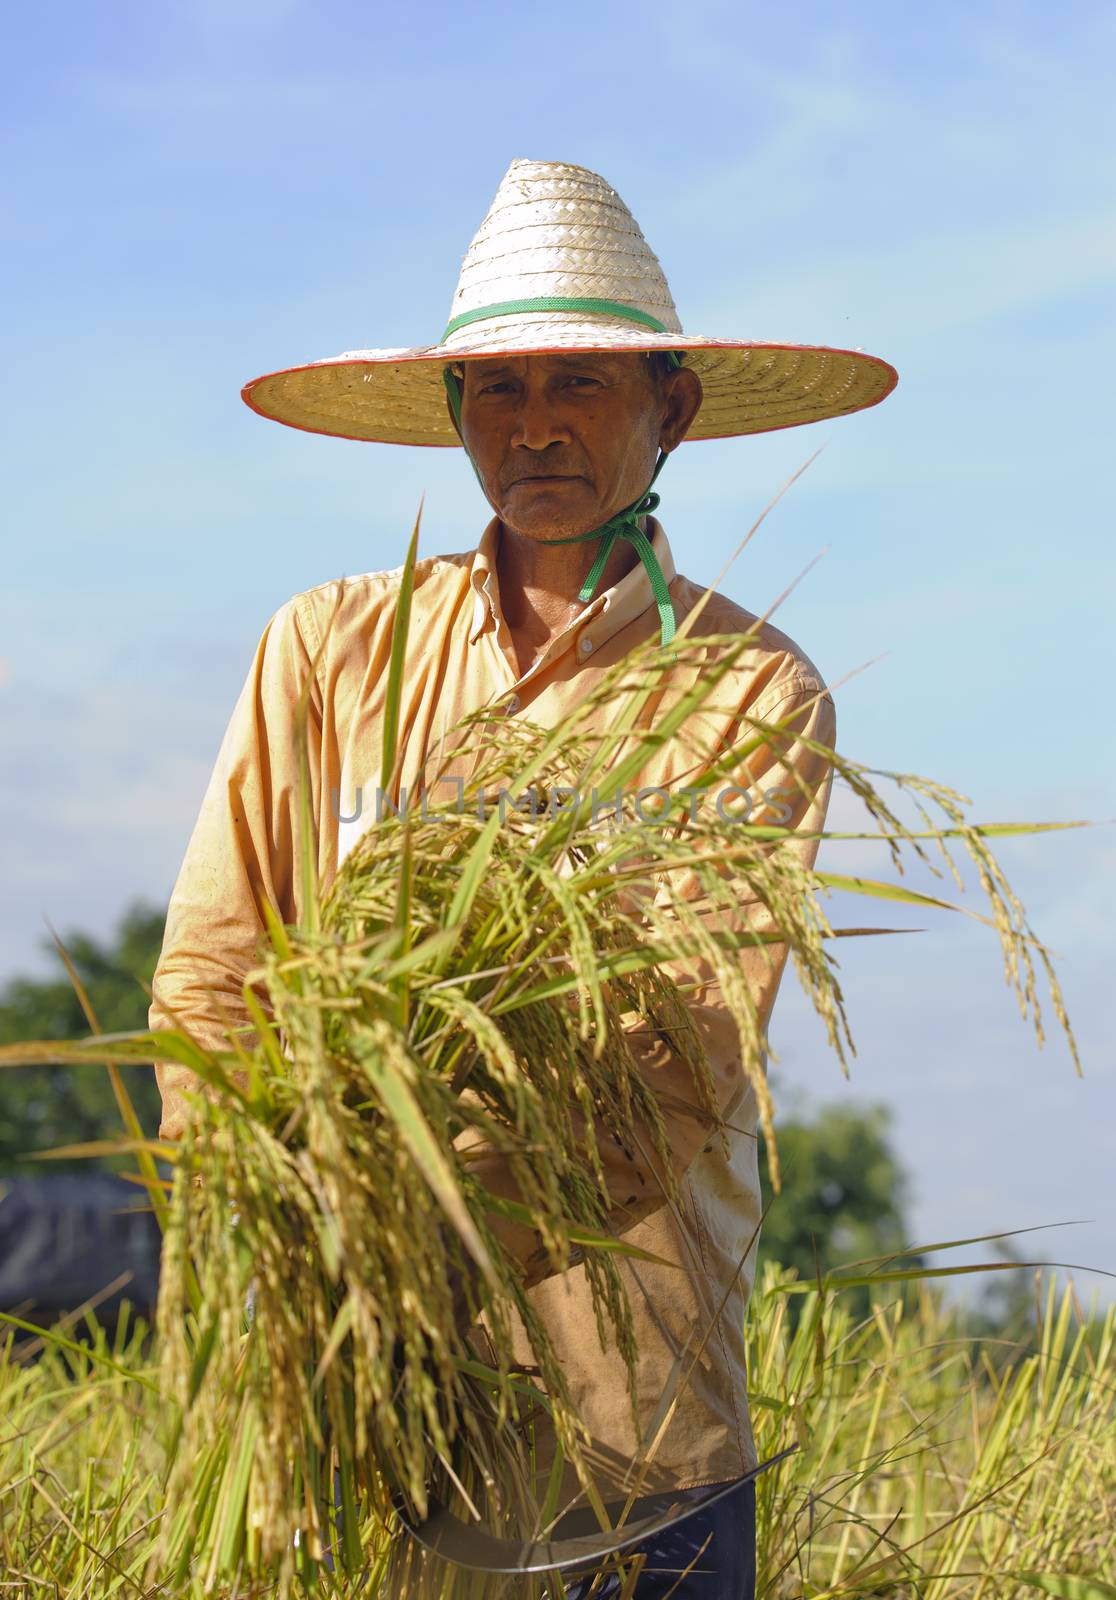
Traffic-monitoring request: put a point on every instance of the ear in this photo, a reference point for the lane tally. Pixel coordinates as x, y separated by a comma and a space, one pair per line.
683, 396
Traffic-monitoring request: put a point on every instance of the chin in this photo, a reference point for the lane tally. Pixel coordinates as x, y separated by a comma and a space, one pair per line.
542, 527
542, 533
540, 513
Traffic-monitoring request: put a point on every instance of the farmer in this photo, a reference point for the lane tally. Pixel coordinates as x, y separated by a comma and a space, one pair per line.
565, 374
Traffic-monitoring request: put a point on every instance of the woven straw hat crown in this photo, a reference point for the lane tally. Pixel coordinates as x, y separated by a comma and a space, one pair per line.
559, 233
559, 263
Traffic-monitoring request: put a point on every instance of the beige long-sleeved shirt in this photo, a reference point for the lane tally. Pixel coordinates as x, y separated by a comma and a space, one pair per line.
244, 845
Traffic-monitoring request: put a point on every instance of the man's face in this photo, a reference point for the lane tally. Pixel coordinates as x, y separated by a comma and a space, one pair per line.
563, 442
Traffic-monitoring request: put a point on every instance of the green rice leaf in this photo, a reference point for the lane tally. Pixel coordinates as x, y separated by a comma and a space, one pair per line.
110, 1147
401, 1105
838, 1280
59, 1341
342, 1327
234, 1493
578, 1233
276, 931
1066, 1588
400, 629
893, 891
147, 1168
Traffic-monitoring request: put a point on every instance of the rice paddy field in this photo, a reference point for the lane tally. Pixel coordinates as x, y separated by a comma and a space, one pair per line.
927, 1466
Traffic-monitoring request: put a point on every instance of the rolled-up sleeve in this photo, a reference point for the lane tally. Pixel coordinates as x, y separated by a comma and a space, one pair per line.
241, 854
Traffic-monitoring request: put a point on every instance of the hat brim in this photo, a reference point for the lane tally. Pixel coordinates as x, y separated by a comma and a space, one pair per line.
396, 396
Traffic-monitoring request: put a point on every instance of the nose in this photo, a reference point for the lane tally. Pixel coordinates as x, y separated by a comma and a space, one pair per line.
537, 423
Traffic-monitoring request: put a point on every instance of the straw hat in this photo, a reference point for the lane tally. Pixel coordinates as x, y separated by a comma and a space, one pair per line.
560, 264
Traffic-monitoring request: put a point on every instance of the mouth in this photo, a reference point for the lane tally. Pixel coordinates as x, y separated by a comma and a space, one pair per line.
547, 477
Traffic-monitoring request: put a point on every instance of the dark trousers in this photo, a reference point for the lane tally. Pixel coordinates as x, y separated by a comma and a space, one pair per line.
725, 1569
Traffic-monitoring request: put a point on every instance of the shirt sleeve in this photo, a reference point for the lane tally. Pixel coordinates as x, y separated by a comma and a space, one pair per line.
241, 854
793, 782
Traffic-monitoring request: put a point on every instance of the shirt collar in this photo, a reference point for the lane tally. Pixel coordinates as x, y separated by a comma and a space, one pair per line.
614, 607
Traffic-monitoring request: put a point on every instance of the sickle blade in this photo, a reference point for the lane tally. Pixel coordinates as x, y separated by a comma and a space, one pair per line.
474, 1545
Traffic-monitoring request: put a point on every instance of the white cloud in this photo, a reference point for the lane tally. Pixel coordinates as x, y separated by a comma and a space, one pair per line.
927, 284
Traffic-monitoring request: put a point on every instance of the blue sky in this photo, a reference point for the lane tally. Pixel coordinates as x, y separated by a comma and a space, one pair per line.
198, 193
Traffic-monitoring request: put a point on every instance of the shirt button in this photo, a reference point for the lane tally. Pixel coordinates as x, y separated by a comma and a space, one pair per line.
585, 644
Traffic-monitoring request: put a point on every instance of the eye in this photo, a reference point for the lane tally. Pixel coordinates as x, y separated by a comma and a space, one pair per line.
494, 388
579, 378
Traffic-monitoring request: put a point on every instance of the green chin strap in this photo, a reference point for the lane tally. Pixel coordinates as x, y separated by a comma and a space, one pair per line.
624, 525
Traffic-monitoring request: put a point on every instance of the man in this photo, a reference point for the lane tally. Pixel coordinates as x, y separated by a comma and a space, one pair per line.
565, 374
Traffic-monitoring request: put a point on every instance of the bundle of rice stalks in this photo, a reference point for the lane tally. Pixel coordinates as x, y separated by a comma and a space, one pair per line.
418, 1129
459, 1013
341, 1190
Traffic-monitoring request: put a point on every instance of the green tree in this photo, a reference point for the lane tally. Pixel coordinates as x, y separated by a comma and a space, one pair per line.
843, 1194
46, 1106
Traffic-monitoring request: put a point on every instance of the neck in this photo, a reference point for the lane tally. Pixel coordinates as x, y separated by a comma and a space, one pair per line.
539, 582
